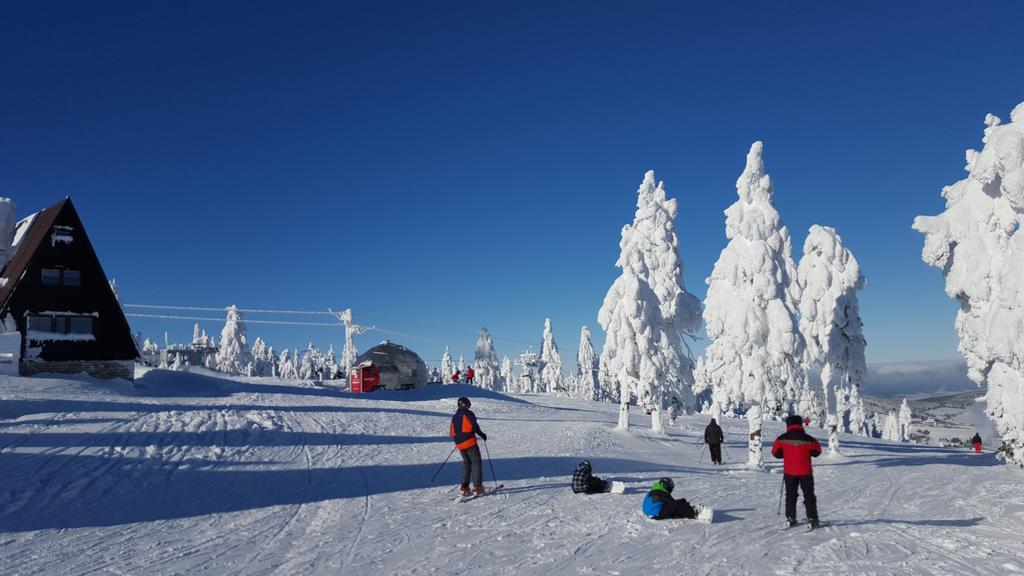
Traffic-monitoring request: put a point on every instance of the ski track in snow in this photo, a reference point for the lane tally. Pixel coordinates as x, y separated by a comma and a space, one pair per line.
260, 476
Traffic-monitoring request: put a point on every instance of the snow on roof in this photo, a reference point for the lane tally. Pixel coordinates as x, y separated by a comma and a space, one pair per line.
21, 227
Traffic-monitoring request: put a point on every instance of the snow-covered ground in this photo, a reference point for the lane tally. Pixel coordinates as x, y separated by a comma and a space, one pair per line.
200, 474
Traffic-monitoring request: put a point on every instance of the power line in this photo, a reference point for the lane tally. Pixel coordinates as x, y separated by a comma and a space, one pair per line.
211, 309
197, 318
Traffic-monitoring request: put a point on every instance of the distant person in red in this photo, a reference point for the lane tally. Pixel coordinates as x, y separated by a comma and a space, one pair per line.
976, 441
796, 448
807, 421
456, 376
470, 374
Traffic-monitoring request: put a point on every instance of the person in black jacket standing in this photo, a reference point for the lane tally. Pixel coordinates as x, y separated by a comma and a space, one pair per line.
713, 437
464, 430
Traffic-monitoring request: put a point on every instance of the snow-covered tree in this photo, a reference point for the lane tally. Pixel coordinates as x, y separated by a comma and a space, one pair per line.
978, 244
234, 354
754, 360
891, 431
647, 311
507, 377
905, 421
586, 368
830, 278
262, 357
447, 368
809, 406
462, 369
528, 381
877, 426
858, 421
550, 363
486, 362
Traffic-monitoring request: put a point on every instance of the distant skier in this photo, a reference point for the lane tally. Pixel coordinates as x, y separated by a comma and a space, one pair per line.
456, 377
583, 482
659, 504
976, 441
714, 438
469, 374
796, 448
464, 430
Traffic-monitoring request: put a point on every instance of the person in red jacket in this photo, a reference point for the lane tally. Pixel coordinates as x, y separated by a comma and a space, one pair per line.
976, 441
796, 448
464, 430
469, 375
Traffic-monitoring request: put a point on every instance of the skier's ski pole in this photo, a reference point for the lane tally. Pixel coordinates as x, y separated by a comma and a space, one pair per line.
780, 495
442, 464
701, 459
491, 462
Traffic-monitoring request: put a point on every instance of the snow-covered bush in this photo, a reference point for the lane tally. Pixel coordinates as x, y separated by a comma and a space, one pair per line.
829, 278
234, 353
978, 244
754, 360
647, 311
891, 431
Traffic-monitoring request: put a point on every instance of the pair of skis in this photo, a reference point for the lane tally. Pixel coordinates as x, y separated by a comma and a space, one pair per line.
808, 527
486, 492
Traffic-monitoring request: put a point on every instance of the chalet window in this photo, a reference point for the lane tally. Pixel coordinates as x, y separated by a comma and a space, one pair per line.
80, 325
55, 277
40, 323
60, 325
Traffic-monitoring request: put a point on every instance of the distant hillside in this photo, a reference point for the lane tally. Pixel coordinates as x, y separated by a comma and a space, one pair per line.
917, 379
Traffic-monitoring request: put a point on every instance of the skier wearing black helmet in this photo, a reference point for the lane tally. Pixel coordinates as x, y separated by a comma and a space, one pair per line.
464, 430
659, 504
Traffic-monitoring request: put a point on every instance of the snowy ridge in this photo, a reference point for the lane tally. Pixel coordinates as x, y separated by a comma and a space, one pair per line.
196, 473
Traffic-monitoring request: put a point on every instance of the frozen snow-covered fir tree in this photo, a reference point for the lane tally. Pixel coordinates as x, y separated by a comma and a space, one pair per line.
830, 278
550, 363
461, 366
586, 368
447, 367
234, 352
647, 311
858, 421
905, 421
978, 244
754, 360
485, 362
891, 431
507, 377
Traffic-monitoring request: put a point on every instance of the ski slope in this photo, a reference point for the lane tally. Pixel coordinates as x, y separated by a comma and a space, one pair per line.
201, 474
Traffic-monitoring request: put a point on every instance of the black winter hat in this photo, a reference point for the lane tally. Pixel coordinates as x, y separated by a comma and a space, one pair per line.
465, 402
794, 419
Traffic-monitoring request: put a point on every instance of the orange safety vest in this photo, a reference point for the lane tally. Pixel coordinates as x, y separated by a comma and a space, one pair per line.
463, 434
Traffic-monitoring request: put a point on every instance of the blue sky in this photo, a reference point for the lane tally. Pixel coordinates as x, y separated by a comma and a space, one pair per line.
444, 166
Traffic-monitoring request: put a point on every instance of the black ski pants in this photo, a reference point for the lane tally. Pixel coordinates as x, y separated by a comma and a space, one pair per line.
716, 453
806, 484
472, 463
598, 485
677, 509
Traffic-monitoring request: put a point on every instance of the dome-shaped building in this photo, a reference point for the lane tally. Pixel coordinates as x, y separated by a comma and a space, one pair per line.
392, 366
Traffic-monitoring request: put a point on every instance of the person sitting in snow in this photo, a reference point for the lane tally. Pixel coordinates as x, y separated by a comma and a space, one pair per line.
464, 430
976, 442
796, 448
583, 482
456, 377
714, 438
659, 503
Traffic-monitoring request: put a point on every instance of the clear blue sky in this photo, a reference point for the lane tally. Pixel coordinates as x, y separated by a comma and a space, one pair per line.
452, 165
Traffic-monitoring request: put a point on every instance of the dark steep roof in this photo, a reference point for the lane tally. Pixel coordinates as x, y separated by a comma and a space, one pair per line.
30, 241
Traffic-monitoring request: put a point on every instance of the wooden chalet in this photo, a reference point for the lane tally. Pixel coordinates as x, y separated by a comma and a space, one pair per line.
56, 302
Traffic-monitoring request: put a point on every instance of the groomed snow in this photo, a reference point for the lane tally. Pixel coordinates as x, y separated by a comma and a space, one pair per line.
194, 473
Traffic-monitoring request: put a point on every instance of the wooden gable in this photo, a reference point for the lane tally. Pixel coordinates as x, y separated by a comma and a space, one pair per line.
56, 274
